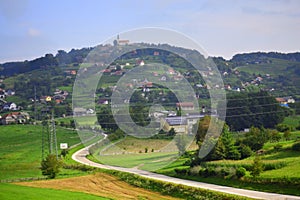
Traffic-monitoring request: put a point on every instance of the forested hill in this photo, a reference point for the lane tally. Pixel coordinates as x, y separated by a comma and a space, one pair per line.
61, 58
77, 55
278, 73
263, 56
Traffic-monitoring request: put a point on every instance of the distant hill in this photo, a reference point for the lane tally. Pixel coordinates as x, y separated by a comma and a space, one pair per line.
271, 71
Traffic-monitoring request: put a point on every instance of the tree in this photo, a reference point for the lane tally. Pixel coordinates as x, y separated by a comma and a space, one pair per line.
181, 142
287, 135
257, 167
64, 152
73, 123
172, 132
274, 135
253, 109
256, 138
231, 151
50, 166
202, 128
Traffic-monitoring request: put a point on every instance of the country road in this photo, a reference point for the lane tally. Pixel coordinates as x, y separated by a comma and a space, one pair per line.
80, 156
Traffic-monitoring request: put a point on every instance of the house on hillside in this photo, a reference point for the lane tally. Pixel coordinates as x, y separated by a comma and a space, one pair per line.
140, 62
182, 124
79, 111
10, 92
178, 123
9, 106
45, 99
186, 106
15, 118
284, 101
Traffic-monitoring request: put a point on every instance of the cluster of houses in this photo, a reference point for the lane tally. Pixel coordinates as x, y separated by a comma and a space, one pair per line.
6, 93
14, 118
59, 97
7, 106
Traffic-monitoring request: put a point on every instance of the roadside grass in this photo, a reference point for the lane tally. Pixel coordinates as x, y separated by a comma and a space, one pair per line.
146, 154
21, 149
18, 192
149, 161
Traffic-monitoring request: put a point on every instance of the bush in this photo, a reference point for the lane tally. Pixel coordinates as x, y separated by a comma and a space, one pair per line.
283, 127
278, 147
181, 171
240, 172
296, 146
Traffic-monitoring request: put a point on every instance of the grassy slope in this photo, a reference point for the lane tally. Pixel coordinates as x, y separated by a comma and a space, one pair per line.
130, 152
20, 149
20, 152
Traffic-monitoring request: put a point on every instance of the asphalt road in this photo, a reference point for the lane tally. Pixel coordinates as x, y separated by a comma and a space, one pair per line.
80, 156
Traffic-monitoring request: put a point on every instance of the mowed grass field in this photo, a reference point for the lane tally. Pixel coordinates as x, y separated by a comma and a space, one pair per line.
99, 184
147, 154
21, 149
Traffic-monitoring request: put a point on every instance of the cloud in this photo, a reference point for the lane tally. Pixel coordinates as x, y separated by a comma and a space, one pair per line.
33, 32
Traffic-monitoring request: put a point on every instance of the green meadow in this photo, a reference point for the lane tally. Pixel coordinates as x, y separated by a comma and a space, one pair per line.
17, 192
21, 149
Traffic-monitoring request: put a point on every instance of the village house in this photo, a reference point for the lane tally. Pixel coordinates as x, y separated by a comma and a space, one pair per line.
10, 92
182, 124
185, 106
179, 124
79, 111
15, 118
9, 106
284, 101
45, 99
140, 62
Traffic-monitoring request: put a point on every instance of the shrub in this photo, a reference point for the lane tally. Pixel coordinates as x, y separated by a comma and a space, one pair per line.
181, 171
283, 127
240, 172
195, 170
278, 147
296, 146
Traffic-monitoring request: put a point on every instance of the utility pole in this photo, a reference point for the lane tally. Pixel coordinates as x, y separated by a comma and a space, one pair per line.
49, 140
35, 113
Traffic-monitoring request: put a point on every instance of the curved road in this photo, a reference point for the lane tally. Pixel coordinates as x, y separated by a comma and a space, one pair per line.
80, 156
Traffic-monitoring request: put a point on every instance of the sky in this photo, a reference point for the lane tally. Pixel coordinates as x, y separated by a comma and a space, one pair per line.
32, 28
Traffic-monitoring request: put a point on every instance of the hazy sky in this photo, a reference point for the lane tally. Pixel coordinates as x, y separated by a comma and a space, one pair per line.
32, 28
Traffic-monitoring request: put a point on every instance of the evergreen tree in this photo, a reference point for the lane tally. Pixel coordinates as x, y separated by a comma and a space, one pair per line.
50, 166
